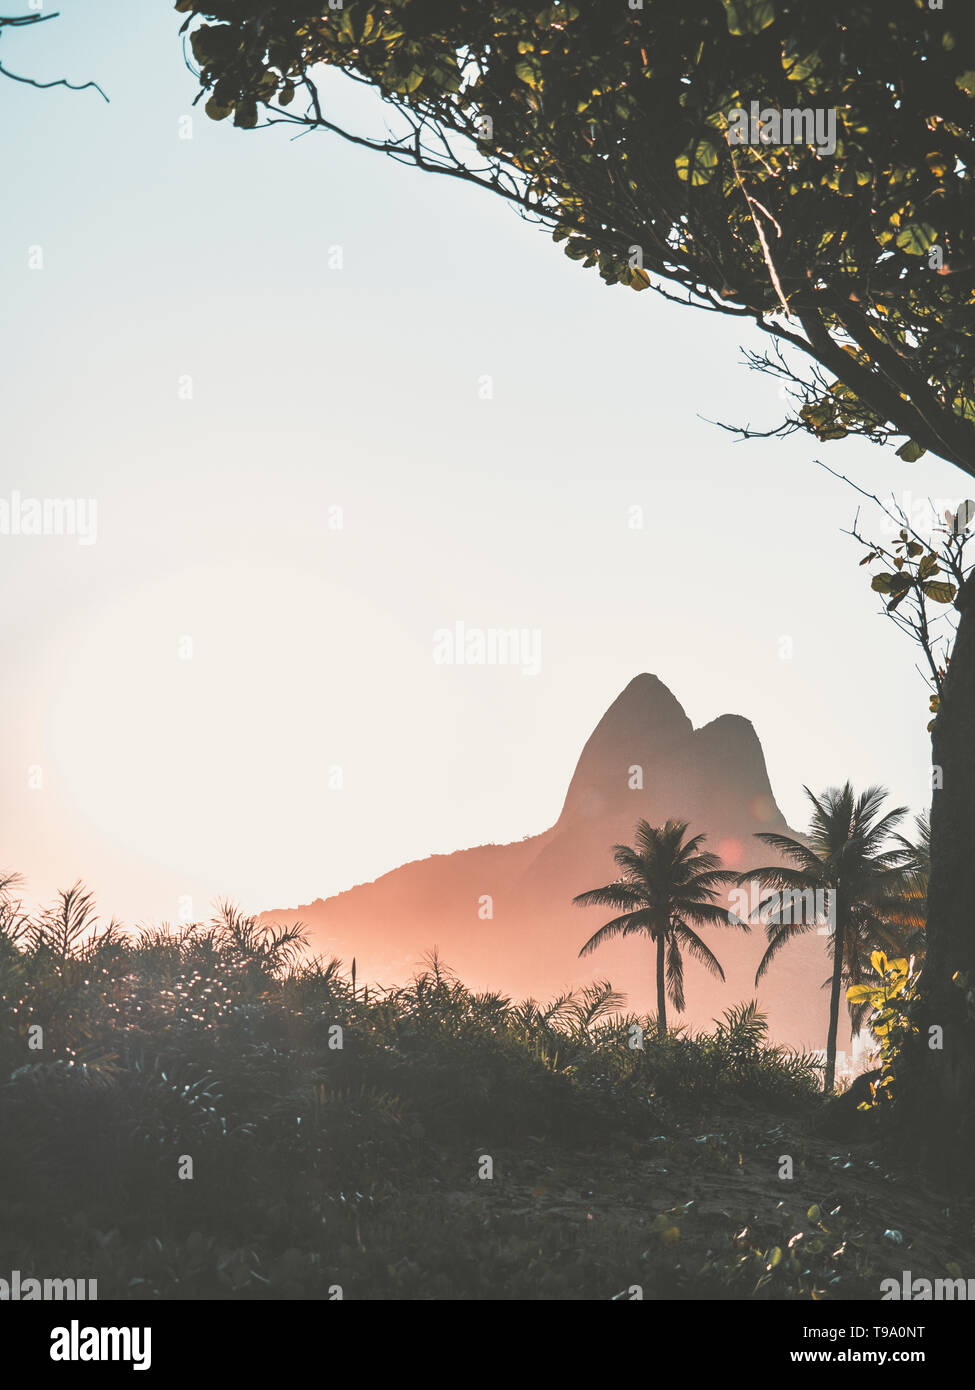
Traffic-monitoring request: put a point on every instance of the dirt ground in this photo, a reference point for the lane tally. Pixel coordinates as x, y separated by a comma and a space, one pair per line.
752, 1206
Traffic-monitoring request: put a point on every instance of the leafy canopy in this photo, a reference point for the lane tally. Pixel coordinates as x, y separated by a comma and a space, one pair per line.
609, 124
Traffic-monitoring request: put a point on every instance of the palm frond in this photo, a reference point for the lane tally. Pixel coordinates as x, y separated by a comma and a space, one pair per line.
689, 938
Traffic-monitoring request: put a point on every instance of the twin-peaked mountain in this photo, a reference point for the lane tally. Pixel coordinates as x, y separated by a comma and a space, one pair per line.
643, 760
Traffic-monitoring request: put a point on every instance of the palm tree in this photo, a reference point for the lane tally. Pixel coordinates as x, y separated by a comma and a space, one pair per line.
64, 925
666, 884
912, 910
895, 923
859, 881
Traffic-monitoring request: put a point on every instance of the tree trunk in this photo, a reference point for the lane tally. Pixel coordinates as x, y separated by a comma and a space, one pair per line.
834, 1007
661, 987
934, 1076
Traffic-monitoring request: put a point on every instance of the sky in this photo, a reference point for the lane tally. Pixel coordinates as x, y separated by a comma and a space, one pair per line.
327, 408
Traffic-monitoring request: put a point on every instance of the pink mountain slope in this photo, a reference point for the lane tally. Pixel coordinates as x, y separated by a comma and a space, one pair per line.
713, 777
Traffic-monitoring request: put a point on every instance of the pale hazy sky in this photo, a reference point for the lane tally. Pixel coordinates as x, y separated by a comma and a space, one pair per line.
166, 258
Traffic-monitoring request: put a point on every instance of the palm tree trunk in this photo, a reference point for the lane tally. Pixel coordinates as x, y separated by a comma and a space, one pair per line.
834, 1007
661, 987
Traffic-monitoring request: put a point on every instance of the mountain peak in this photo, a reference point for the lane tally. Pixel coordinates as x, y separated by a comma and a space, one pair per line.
646, 706
643, 723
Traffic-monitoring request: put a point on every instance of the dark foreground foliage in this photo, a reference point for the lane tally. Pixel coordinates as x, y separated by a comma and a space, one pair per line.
339, 1138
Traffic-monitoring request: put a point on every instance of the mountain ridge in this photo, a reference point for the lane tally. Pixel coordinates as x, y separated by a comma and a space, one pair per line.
501, 913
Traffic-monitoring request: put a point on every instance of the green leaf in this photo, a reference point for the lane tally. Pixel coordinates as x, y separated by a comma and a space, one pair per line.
859, 994
216, 111
912, 450
965, 82
698, 163
246, 115
916, 238
889, 583
939, 591
749, 16
578, 248
797, 68
200, 43
556, 14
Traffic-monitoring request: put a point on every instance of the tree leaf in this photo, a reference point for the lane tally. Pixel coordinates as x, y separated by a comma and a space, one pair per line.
939, 591
749, 16
698, 163
246, 114
890, 583
915, 238
215, 111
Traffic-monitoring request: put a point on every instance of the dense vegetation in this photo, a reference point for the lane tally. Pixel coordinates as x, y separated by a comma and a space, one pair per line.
619, 129
359, 1167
